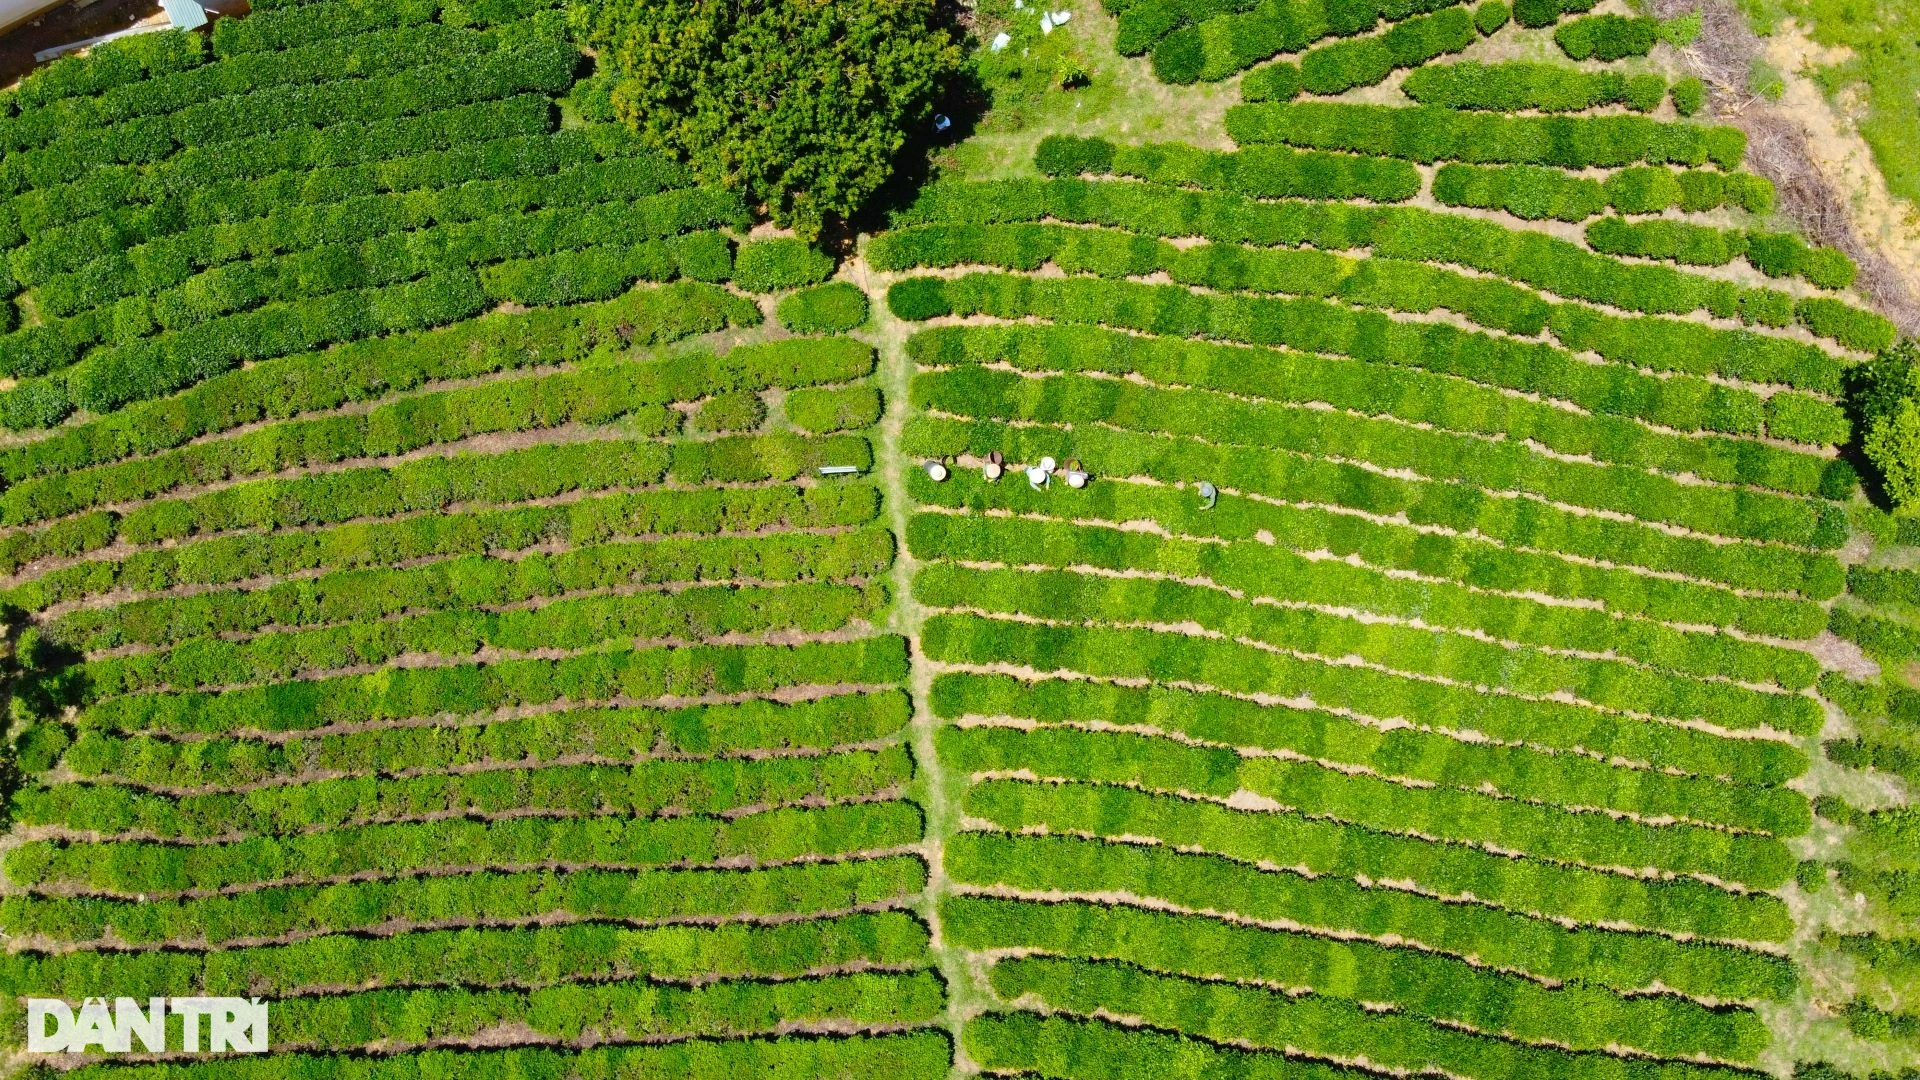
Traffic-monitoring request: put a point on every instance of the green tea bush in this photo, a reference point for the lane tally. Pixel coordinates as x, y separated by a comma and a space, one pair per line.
780, 263
1528, 192
1219, 45
1490, 16
1534, 14
1336, 68
1419, 982
1279, 81
1689, 94
820, 412
1514, 86
1267, 172
1430, 133
1606, 37
1774, 254
832, 308
736, 410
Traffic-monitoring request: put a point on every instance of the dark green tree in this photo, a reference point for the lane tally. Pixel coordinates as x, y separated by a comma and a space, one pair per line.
802, 104
1889, 405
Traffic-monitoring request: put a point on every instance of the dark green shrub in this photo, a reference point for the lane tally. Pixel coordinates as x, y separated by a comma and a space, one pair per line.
1534, 14
1180, 57
820, 411
1689, 95
1829, 268
780, 263
919, 299
735, 410
1275, 82
1607, 37
1490, 16
1071, 155
1644, 92
833, 308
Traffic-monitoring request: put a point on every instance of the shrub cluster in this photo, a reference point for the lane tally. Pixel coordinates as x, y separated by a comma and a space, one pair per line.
1263, 172
817, 887
1774, 254
1323, 845
1430, 133
1425, 984
1339, 67
1216, 46
780, 263
1607, 37
833, 308
1516, 86
1675, 345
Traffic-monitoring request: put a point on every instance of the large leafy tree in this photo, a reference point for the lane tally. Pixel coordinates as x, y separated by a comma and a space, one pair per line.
1889, 405
802, 104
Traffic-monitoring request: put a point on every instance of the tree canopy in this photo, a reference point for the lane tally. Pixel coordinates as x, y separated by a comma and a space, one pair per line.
1890, 407
803, 104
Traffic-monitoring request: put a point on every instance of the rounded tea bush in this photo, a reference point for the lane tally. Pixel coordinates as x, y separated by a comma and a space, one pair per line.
833, 308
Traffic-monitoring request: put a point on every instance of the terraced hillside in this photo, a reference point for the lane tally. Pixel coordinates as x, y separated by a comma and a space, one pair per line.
1452, 636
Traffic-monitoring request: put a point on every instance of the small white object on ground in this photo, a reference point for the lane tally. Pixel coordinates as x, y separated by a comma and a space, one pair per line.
839, 470
937, 471
1209, 495
1060, 17
1000, 41
1076, 479
992, 470
1046, 23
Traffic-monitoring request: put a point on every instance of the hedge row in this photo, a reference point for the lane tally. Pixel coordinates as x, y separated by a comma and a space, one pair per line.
1460, 816
439, 481
111, 378
543, 65
769, 836
285, 387
1133, 653
1430, 133
1458, 657
691, 615
909, 1055
1264, 172
1891, 640
1274, 1020
1618, 961
639, 391
372, 53
1339, 67
1680, 402
605, 677
1176, 311
1324, 846
143, 203
1773, 254
652, 788
1607, 37
1223, 44
1671, 345
616, 735
252, 177
1091, 408
475, 222
466, 899
482, 957
105, 66
230, 559
1485, 563
610, 1011
471, 581
347, 142
1517, 86
1575, 1015
1448, 403
1258, 569
1533, 192
833, 308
